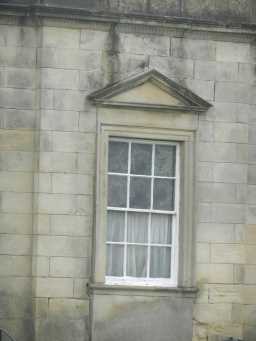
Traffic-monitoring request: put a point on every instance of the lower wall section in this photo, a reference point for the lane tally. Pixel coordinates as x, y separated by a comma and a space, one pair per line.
128, 316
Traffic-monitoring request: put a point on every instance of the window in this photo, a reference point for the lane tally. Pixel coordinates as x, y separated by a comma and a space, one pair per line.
142, 212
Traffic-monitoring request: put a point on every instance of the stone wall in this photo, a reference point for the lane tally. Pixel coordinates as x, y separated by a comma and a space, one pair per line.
47, 160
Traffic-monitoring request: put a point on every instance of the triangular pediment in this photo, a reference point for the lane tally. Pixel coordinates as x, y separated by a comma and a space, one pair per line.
149, 90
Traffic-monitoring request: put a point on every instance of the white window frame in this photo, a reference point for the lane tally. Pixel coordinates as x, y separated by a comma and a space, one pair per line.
149, 281
185, 254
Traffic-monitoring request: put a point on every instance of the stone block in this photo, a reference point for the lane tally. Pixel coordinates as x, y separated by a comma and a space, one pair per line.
204, 89
205, 171
60, 37
87, 122
69, 267
126, 64
64, 204
228, 213
249, 332
18, 119
215, 273
252, 132
59, 120
73, 142
220, 152
54, 287
15, 245
14, 140
251, 194
40, 307
144, 44
246, 73
233, 52
80, 288
233, 92
205, 213
206, 70
72, 183
86, 163
173, 67
47, 99
43, 183
249, 294
193, 49
216, 192
227, 253
16, 182
206, 131
16, 202
17, 57
249, 314
242, 152
63, 246
17, 98
203, 253
216, 233
40, 266
230, 173
12, 35
213, 313
94, 40
228, 132
251, 154
15, 160
20, 78
69, 100
74, 309
59, 79
250, 274
225, 294
91, 80
57, 162
250, 234
15, 265
45, 141
15, 223
250, 254
71, 225
41, 224
59, 329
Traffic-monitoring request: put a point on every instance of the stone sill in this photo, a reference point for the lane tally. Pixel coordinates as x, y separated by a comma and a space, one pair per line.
107, 289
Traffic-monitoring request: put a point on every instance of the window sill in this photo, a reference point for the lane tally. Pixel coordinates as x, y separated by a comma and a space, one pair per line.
108, 289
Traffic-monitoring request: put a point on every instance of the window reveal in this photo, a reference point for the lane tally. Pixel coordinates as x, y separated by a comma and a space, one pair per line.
142, 213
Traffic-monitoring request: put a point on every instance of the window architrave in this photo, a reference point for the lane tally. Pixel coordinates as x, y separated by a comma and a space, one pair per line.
186, 140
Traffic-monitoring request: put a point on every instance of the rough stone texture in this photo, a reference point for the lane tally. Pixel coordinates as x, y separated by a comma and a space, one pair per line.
45, 74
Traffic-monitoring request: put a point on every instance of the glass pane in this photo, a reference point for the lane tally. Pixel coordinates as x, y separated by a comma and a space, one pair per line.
117, 190
161, 229
160, 262
115, 228
136, 261
163, 194
140, 191
141, 158
118, 157
165, 157
115, 260
137, 227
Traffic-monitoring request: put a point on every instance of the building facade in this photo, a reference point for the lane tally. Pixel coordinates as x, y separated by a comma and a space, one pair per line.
128, 170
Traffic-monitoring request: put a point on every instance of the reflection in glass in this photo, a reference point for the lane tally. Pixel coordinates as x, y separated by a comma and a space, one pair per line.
137, 227
115, 227
117, 189
141, 158
165, 157
118, 157
160, 262
115, 260
140, 191
161, 229
163, 198
136, 261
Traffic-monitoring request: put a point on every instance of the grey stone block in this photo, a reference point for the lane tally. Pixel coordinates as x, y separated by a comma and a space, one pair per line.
193, 49
17, 57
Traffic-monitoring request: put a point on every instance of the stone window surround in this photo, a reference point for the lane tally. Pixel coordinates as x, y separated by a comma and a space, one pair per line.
186, 252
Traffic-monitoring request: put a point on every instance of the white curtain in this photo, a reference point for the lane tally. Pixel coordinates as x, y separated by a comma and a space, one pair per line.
137, 255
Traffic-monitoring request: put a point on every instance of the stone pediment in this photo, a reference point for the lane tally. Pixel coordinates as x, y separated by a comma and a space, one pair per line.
150, 90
